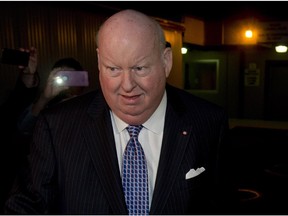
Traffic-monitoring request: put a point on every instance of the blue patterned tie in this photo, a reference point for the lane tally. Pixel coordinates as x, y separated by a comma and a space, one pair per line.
135, 175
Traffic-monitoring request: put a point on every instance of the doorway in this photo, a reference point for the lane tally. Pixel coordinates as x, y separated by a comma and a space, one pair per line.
276, 91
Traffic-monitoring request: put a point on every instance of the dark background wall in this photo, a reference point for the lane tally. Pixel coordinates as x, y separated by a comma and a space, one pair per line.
57, 30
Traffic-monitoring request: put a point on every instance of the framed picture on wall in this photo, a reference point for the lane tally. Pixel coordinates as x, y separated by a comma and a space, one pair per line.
202, 75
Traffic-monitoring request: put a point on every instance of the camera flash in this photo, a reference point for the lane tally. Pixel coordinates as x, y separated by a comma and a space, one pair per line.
60, 80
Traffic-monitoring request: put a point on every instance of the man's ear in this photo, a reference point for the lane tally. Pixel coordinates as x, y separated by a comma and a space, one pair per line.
97, 50
168, 60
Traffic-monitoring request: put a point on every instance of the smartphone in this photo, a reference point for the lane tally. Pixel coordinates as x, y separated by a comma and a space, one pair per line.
14, 57
72, 78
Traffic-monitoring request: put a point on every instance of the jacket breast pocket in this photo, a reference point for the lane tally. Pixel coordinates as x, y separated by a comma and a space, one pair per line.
196, 182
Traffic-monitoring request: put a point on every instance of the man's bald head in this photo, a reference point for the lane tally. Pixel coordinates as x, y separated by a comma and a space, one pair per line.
128, 25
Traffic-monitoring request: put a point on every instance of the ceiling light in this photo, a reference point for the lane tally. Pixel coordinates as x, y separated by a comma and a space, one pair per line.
249, 34
281, 49
184, 50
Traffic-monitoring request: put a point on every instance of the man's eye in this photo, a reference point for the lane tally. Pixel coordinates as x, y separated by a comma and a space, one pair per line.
138, 68
141, 71
113, 71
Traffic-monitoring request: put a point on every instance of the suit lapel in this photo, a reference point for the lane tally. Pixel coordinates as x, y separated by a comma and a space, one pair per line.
101, 145
172, 151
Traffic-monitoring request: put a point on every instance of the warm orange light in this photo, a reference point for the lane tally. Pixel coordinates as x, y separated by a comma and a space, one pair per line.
248, 33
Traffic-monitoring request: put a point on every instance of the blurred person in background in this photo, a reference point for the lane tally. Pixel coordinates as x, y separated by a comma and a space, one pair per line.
19, 113
24, 92
53, 93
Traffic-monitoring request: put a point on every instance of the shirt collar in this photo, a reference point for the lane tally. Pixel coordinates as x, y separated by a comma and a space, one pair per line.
155, 123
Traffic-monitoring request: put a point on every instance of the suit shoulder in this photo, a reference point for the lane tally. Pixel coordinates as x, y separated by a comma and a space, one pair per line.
79, 103
183, 99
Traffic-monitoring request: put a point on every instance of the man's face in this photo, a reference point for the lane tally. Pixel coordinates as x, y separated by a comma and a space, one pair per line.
133, 77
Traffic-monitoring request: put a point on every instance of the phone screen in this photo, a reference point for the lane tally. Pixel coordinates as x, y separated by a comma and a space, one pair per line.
14, 57
72, 78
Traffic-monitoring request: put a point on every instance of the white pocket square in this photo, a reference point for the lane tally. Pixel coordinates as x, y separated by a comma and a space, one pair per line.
192, 172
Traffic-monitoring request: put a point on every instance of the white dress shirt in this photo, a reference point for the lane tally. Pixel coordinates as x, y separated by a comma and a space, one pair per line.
150, 138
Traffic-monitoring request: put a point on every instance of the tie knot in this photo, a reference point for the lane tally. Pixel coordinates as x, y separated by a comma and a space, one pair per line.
134, 130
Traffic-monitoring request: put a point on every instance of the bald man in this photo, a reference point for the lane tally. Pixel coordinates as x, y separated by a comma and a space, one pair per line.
77, 153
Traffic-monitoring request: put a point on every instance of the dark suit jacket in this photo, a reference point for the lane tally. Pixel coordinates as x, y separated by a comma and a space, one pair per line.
74, 167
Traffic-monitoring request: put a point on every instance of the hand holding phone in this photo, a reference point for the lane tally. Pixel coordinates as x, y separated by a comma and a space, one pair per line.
14, 57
